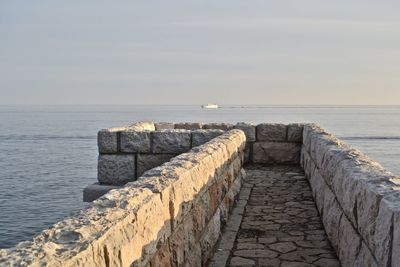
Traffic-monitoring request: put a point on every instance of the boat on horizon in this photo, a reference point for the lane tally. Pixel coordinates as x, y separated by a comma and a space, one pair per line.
210, 106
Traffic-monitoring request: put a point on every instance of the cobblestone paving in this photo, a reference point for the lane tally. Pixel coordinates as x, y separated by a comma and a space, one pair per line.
280, 224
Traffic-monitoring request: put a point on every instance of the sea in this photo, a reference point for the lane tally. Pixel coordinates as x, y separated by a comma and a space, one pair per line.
48, 154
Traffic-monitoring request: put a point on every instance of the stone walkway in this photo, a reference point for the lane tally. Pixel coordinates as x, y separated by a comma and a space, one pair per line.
275, 223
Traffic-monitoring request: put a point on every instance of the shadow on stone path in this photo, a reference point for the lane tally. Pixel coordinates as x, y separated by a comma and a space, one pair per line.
275, 223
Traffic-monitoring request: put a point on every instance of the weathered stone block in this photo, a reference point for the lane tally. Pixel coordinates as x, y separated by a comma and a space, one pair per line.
200, 137
344, 185
146, 162
331, 216
171, 141
396, 240
159, 126
248, 129
308, 131
349, 243
332, 158
369, 196
276, 153
116, 169
365, 258
387, 226
210, 237
189, 125
295, 132
318, 187
94, 191
135, 142
141, 126
219, 126
247, 152
107, 141
271, 132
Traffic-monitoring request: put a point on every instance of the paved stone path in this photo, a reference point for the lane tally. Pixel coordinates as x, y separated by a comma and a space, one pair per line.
275, 223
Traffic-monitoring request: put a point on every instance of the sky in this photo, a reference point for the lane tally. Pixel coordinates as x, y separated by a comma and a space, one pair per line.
309, 52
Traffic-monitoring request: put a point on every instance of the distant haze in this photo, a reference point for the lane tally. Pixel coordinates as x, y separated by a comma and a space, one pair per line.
194, 52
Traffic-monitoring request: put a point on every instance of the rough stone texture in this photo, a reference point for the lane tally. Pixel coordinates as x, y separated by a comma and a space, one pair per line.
171, 141
200, 137
189, 125
135, 142
146, 162
280, 225
276, 153
140, 126
159, 126
387, 231
219, 126
171, 217
295, 132
107, 141
358, 199
271, 132
94, 191
248, 129
248, 152
116, 169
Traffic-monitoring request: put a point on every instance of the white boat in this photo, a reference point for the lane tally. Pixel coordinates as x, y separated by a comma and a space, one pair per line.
210, 106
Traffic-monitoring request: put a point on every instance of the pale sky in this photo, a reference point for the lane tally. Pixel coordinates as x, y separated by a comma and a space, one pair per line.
194, 52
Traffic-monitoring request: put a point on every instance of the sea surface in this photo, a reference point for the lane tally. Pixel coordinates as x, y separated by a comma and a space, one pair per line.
48, 154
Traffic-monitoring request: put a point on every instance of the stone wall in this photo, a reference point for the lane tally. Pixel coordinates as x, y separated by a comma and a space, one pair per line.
125, 153
172, 216
359, 201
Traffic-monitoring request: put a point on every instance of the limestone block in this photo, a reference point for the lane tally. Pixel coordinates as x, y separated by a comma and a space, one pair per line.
94, 191
276, 153
247, 152
219, 126
332, 158
271, 132
396, 240
305, 164
344, 184
171, 141
318, 187
319, 145
194, 256
248, 129
146, 162
116, 169
159, 126
332, 213
308, 131
295, 132
210, 237
369, 196
200, 137
386, 230
349, 243
135, 142
189, 125
177, 246
365, 257
107, 141
162, 257
141, 126
359, 189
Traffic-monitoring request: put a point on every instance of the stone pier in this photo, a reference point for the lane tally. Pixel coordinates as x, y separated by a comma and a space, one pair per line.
218, 194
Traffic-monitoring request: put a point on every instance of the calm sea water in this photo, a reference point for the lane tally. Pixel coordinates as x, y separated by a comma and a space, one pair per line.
48, 154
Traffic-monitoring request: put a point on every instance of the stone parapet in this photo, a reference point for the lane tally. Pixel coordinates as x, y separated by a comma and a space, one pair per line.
359, 201
125, 153
172, 216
